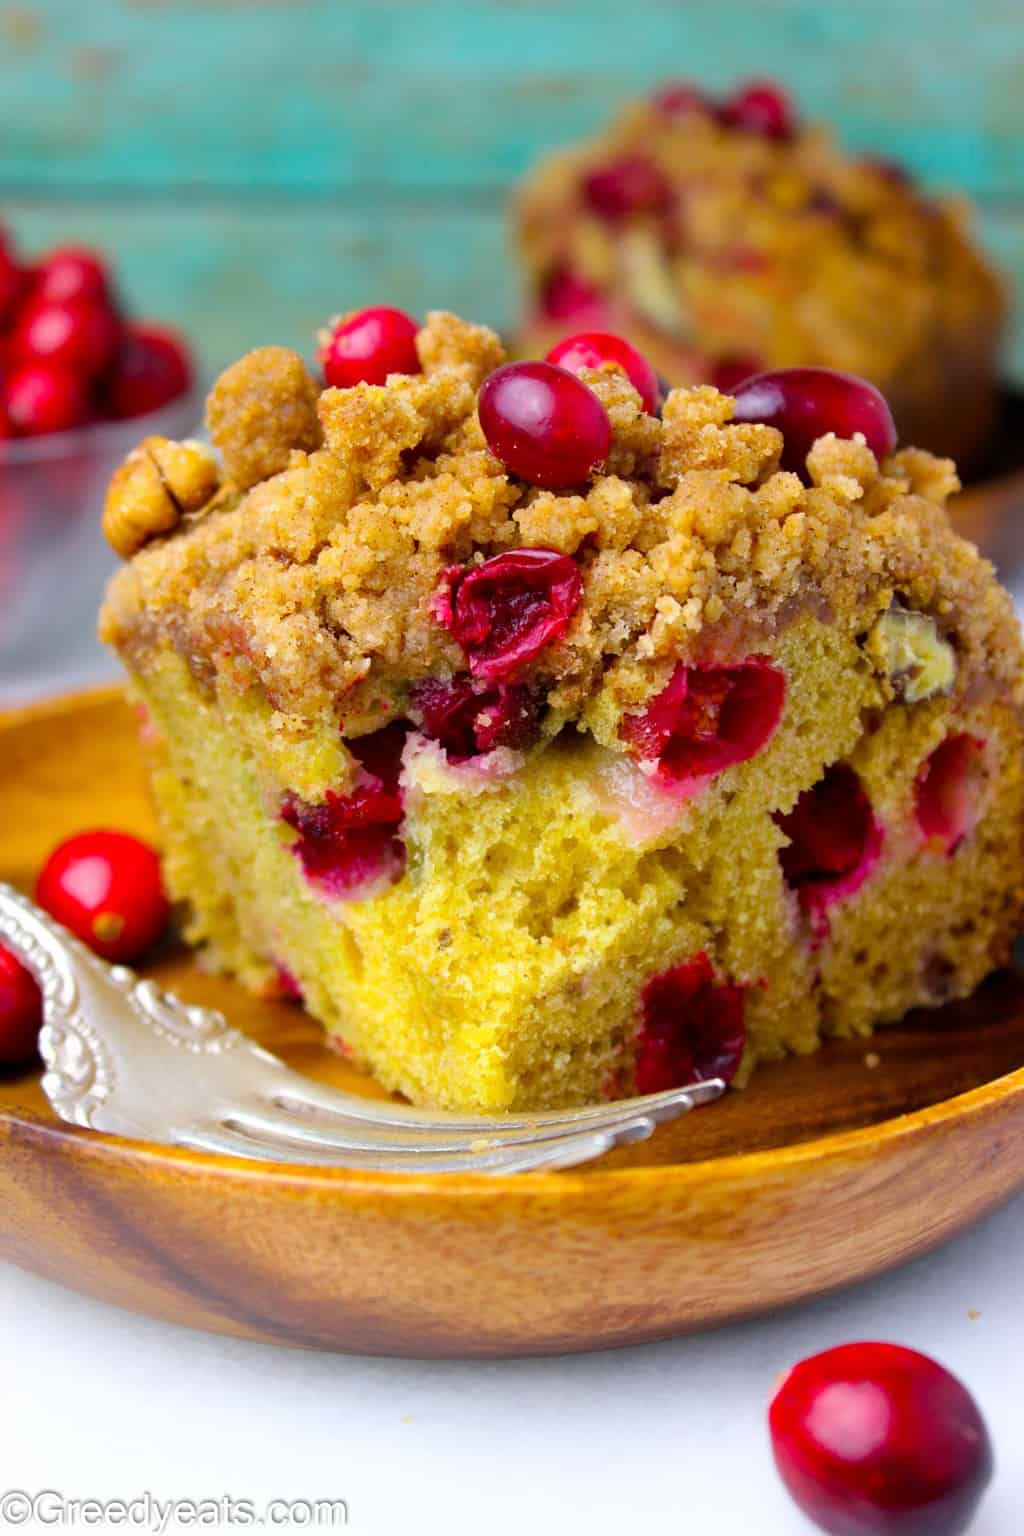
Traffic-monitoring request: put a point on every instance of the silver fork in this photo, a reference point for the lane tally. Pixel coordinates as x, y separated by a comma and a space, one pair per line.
124, 1057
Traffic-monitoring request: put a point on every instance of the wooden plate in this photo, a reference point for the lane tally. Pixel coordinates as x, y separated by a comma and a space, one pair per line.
824, 1171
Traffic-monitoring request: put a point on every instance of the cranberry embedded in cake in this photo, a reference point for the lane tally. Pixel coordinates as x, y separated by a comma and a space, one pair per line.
692, 1028
707, 718
505, 611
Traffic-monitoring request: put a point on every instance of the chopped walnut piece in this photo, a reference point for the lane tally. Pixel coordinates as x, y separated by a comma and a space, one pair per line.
158, 482
260, 410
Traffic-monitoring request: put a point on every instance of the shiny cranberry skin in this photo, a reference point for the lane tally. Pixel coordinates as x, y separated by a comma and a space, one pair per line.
729, 372
592, 349
876, 1440
505, 611
806, 403
106, 888
370, 345
70, 274
42, 397
152, 367
349, 842
631, 184
681, 99
469, 718
78, 334
21, 1012
761, 106
692, 1029
567, 296
544, 424
707, 718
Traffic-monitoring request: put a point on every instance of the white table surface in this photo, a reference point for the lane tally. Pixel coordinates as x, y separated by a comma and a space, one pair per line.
96, 1403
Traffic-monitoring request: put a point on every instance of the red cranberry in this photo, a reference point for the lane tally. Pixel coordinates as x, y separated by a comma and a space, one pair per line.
592, 349
681, 99
877, 1440
43, 397
632, 184
370, 345
152, 368
287, 985
944, 793
761, 107
505, 611
468, 718
21, 1012
707, 718
106, 887
692, 1029
544, 424
350, 842
12, 283
70, 274
806, 403
78, 334
729, 372
567, 296
835, 841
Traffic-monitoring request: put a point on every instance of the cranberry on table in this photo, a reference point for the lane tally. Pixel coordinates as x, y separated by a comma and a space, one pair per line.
71, 273
592, 349
806, 403
761, 106
80, 334
38, 398
21, 1012
152, 368
631, 184
368, 346
877, 1440
505, 611
106, 888
544, 424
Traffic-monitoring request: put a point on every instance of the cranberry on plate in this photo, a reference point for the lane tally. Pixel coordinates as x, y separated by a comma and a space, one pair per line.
37, 398
877, 1440
106, 888
152, 367
21, 1012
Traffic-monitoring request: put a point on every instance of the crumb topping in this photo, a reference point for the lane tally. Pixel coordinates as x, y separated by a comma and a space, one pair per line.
314, 573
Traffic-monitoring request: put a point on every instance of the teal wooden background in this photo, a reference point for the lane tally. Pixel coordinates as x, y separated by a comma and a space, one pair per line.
257, 164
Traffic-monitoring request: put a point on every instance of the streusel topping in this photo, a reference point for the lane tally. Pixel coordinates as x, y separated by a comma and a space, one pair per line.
318, 572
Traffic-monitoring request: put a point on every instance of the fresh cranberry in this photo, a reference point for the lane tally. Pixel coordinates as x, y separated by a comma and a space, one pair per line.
761, 106
729, 372
944, 792
152, 368
567, 296
70, 274
370, 345
592, 349
631, 184
505, 611
877, 1440
681, 99
835, 841
692, 1029
43, 397
106, 887
544, 424
12, 283
706, 719
806, 403
78, 334
469, 718
21, 1012
350, 842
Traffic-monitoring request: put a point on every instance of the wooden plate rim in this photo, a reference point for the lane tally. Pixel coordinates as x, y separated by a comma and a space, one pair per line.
738, 1166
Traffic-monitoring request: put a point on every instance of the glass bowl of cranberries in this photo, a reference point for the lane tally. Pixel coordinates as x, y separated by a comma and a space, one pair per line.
81, 382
